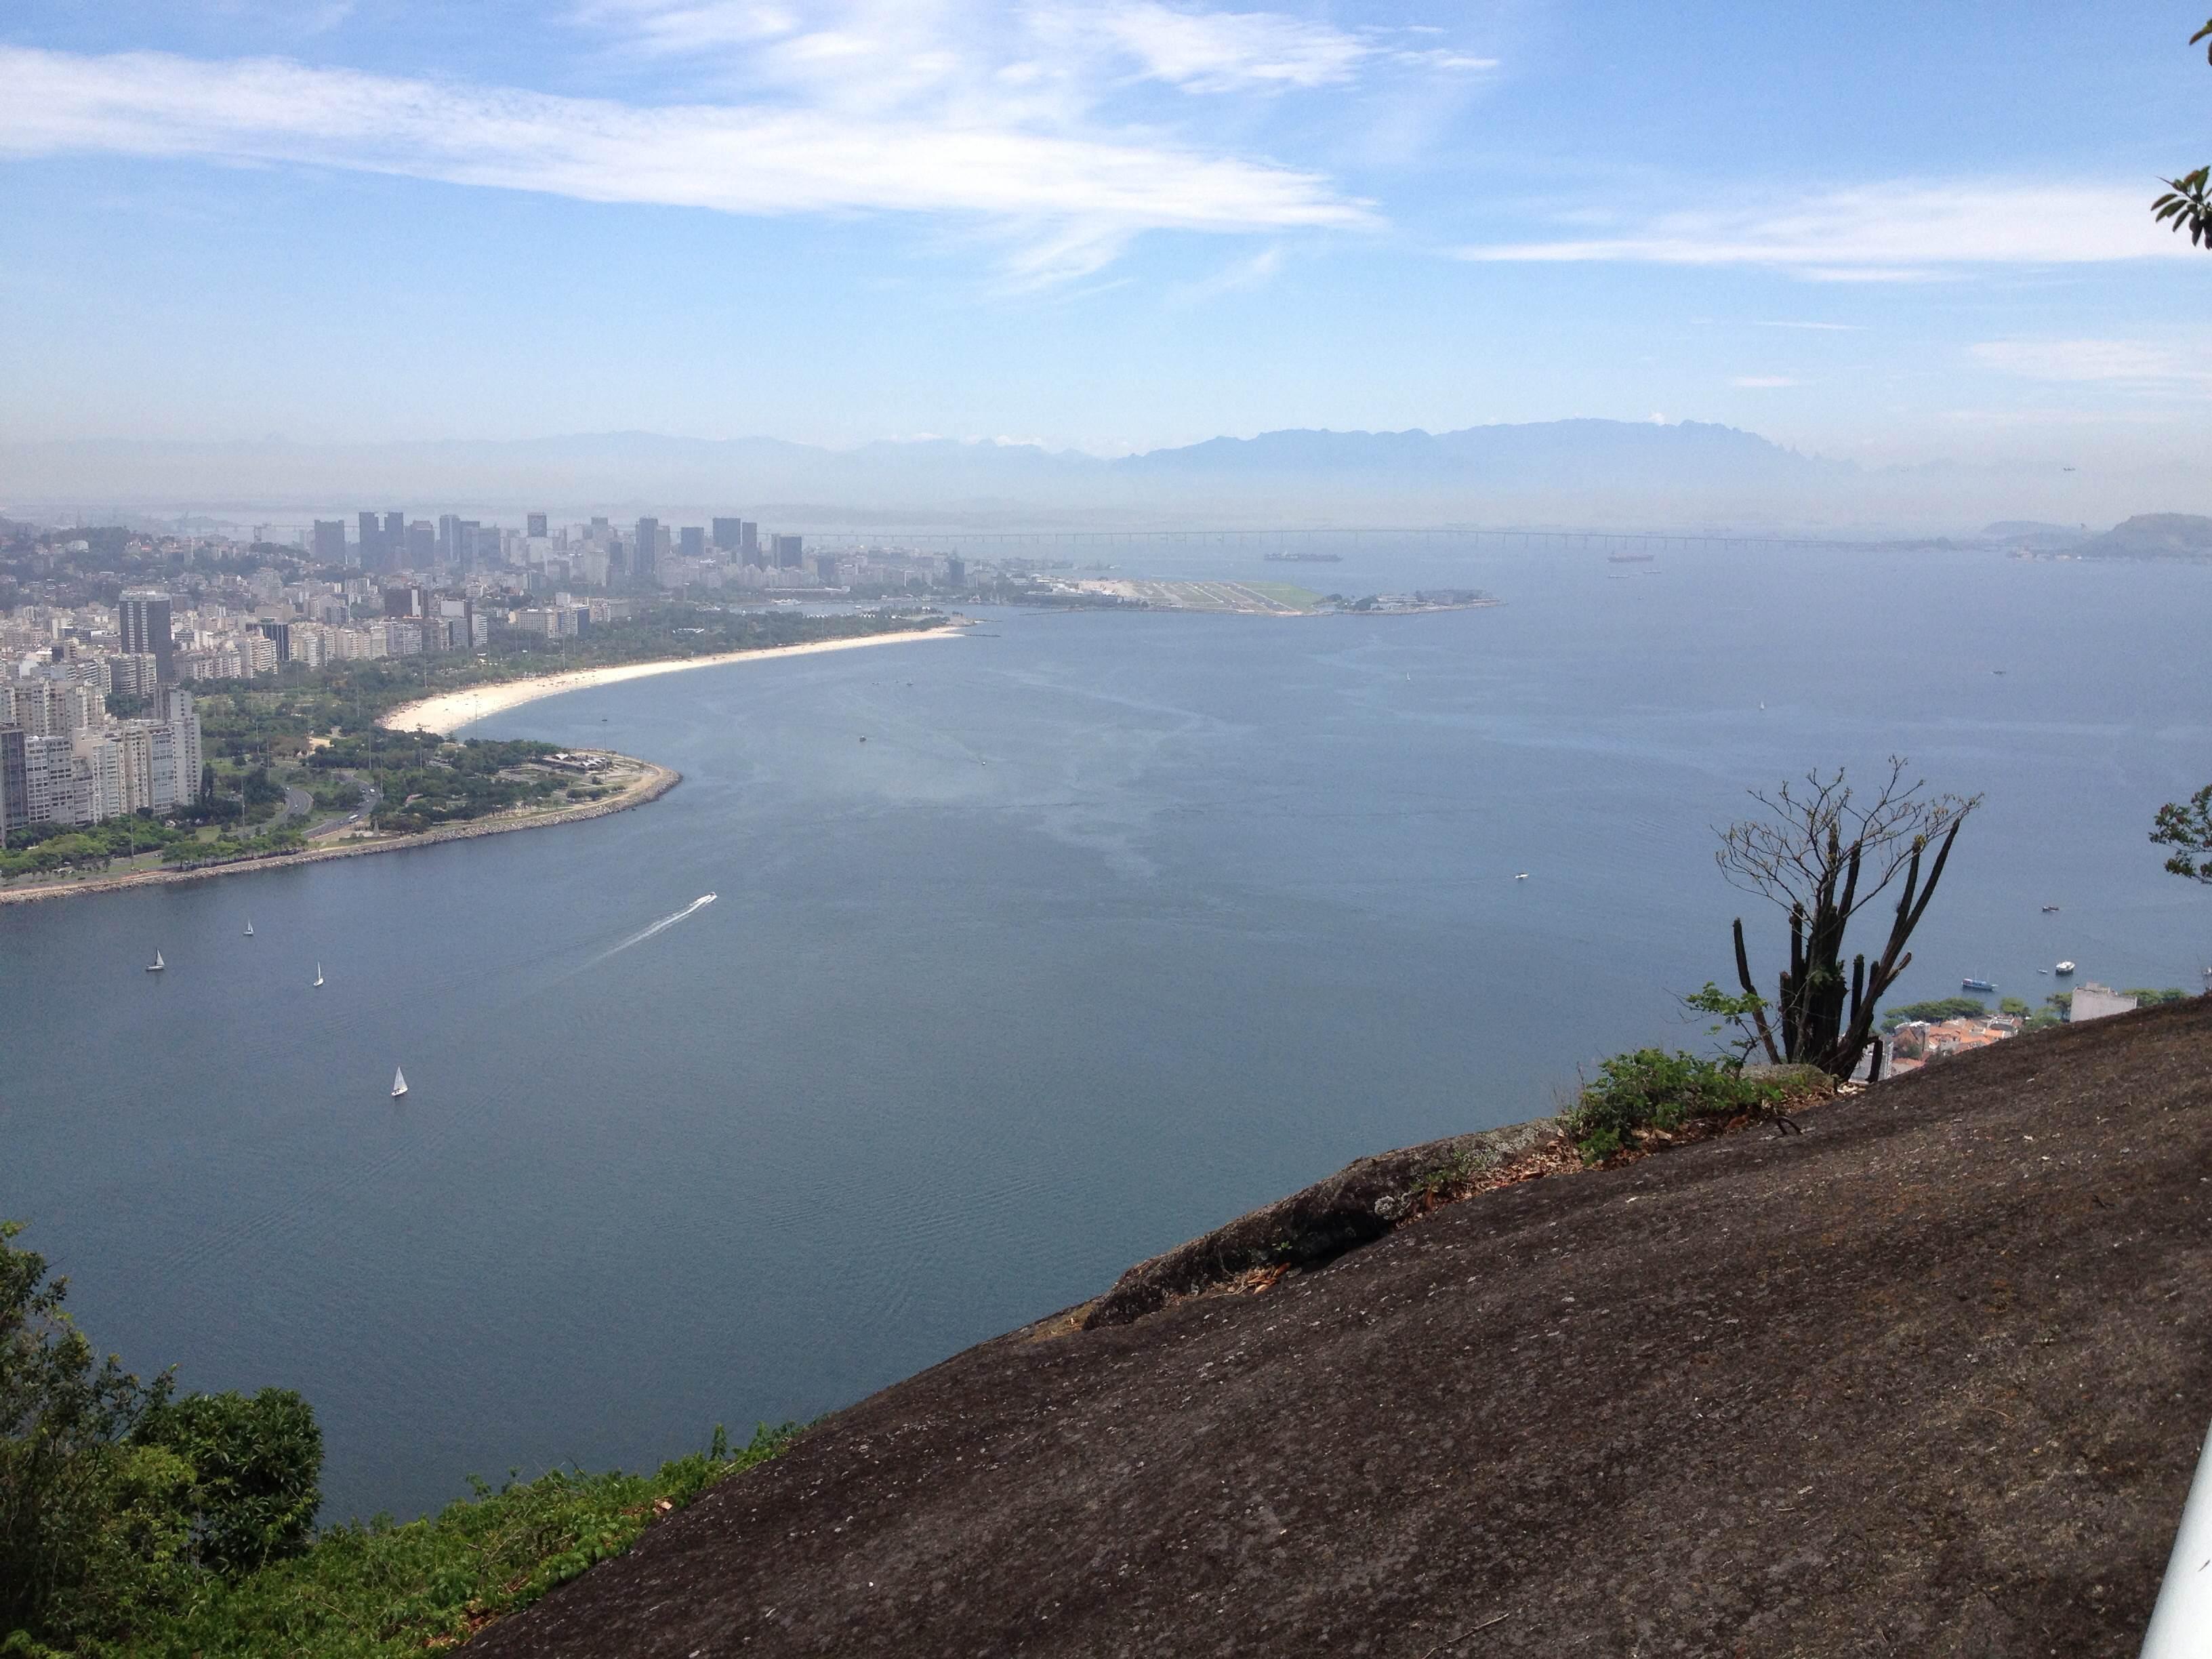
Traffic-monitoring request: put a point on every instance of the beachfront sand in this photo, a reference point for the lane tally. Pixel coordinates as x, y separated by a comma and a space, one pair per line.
449, 711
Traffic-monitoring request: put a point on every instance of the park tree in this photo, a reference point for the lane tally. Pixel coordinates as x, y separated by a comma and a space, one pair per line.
1822, 853
2187, 204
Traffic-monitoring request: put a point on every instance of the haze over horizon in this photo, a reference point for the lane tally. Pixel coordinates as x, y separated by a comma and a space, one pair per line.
1886, 236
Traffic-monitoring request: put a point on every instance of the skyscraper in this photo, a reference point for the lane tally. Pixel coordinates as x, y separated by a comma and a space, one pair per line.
729, 534
146, 632
422, 544
449, 540
330, 540
789, 550
645, 560
395, 533
692, 542
371, 542
536, 522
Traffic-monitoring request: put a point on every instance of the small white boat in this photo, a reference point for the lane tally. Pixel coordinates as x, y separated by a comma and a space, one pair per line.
398, 1083
2065, 967
318, 985
249, 927
157, 964
1523, 875
2050, 910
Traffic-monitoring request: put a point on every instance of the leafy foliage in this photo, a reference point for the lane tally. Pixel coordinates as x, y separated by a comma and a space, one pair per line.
2187, 828
136, 1521
2147, 998
1941, 1008
1651, 1090
92, 1526
2187, 204
256, 1466
387, 1589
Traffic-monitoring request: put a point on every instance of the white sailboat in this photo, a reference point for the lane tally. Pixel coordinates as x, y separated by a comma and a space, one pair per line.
249, 927
318, 985
157, 964
398, 1083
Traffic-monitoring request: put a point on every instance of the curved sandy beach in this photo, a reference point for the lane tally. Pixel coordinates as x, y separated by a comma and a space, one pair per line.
449, 711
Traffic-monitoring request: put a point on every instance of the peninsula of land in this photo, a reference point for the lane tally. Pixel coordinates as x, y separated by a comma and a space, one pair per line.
446, 712
616, 783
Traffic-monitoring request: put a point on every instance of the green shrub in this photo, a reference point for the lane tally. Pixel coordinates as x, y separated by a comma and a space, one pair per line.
93, 1528
382, 1591
256, 1465
1653, 1089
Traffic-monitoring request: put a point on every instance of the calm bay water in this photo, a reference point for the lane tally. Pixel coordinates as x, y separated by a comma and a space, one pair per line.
1114, 927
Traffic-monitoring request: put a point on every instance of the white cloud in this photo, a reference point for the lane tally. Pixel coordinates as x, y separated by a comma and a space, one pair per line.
1763, 382
2148, 365
1894, 232
1210, 51
1234, 278
1070, 201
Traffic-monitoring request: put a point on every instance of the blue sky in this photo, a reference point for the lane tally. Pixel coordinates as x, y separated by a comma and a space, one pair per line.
1893, 232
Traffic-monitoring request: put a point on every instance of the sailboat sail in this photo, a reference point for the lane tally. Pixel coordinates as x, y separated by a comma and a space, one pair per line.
318, 976
398, 1083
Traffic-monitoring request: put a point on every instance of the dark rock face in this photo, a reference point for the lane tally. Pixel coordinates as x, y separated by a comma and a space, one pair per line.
1356, 1205
1928, 1378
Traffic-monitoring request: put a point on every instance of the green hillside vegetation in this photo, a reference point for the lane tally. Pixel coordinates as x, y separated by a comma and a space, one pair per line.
1941, 1008
134, 1520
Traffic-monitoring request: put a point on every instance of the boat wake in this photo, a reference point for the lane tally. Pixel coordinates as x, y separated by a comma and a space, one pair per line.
644, 934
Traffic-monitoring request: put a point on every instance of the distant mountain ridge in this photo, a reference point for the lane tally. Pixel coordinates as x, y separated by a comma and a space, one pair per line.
1582, 474
1484, 470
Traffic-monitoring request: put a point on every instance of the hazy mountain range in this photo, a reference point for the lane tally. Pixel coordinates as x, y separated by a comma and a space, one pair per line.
1583, 472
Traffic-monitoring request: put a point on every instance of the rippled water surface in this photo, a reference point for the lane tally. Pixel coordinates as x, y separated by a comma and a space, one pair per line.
1113, 926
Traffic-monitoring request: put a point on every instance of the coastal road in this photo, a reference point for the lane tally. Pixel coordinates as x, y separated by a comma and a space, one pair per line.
371, 799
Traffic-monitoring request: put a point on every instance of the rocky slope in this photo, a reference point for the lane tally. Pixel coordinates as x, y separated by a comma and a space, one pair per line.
1928, 1378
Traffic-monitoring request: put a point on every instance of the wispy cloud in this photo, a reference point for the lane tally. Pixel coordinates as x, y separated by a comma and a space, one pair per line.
1208, 51
2147, 365
1234, 278
1823, 328
1763, 382
1896, 232
1067, 202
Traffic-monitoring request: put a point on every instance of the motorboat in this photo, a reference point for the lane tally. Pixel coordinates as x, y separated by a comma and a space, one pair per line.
2065, 967
1971, 984
2050, 910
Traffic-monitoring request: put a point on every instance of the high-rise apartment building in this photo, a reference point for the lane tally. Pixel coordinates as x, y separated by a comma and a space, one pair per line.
645, 557
146, 632
14, 778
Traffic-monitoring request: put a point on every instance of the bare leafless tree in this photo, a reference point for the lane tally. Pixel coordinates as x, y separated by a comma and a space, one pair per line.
1823, 856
